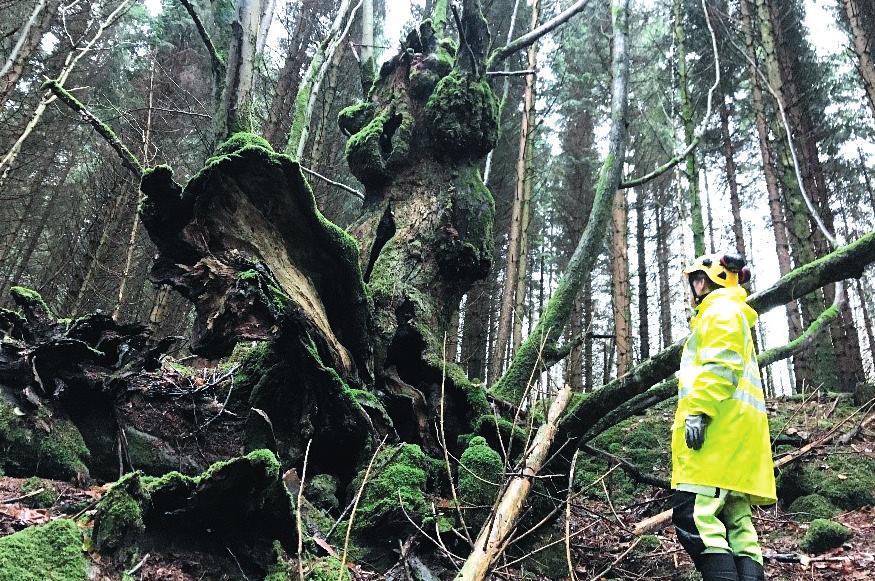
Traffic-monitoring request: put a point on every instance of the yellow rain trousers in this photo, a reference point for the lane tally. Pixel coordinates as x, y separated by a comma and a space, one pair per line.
719, 377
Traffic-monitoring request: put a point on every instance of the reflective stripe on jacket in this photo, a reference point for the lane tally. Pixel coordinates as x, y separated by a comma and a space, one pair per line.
719, 377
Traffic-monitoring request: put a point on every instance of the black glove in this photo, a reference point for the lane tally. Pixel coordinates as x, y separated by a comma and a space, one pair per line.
695, 431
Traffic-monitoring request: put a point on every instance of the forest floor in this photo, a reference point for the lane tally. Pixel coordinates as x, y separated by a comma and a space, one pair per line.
601, 542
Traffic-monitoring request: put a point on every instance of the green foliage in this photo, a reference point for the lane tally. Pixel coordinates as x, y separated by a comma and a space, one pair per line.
824, 534
48, 497
51, 552
648, 544
812, 506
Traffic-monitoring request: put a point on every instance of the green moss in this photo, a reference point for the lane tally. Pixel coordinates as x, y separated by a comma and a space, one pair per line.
60, 453
462, 117
263, 459
27, 295
545, 555
250, 274
181, 369
353, 118
812, 506
400, 474
648, 544
322, 491
824, 534
240, 141
380, 147
281, 570
51, 552
846, 480
119, 516
325, 569
481, 471
64, 450
48, 497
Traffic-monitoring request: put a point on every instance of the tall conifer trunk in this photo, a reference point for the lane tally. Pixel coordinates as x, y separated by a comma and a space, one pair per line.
802, 366
687, 117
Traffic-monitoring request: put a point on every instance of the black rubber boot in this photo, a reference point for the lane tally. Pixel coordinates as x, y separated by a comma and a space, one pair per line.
717, 567
749, 570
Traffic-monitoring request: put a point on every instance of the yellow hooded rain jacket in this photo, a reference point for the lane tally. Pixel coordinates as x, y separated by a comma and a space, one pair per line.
719, 377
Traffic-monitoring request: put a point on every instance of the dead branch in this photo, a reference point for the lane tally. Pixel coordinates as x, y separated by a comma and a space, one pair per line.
217, 63
633, 471
129, 160
532, 36
491, 539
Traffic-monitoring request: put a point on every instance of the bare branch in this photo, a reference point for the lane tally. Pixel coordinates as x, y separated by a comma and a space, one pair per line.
216, 60
128, 159
344, 187
532, 36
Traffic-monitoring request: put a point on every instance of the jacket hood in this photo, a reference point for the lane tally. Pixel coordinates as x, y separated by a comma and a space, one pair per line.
737, 295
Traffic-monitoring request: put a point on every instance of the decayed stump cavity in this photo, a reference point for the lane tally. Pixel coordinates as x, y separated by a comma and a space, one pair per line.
425, 233
244, 241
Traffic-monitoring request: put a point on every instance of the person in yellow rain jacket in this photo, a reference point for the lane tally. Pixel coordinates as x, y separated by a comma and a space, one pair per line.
721, 453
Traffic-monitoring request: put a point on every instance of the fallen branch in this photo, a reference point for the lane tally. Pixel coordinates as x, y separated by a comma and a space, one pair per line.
633, 471
492, 537
847, 261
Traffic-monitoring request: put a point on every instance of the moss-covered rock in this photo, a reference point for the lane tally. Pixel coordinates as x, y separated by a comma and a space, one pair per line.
51, 552
119, 517
59, 453
824, 534
812, 506
47, 496
545, 555
397, 480
462, 117
242, 503
481, 471
846, 480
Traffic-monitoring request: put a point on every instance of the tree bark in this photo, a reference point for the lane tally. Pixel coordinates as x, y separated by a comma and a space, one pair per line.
643, 305
730, 169
235, 112
551, 325
28, 42
622, 300
687, 117
509, 318
279, 117
662, 267
802, 366
860, 17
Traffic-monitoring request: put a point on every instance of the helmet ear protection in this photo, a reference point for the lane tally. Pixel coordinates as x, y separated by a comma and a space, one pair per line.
737, 264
